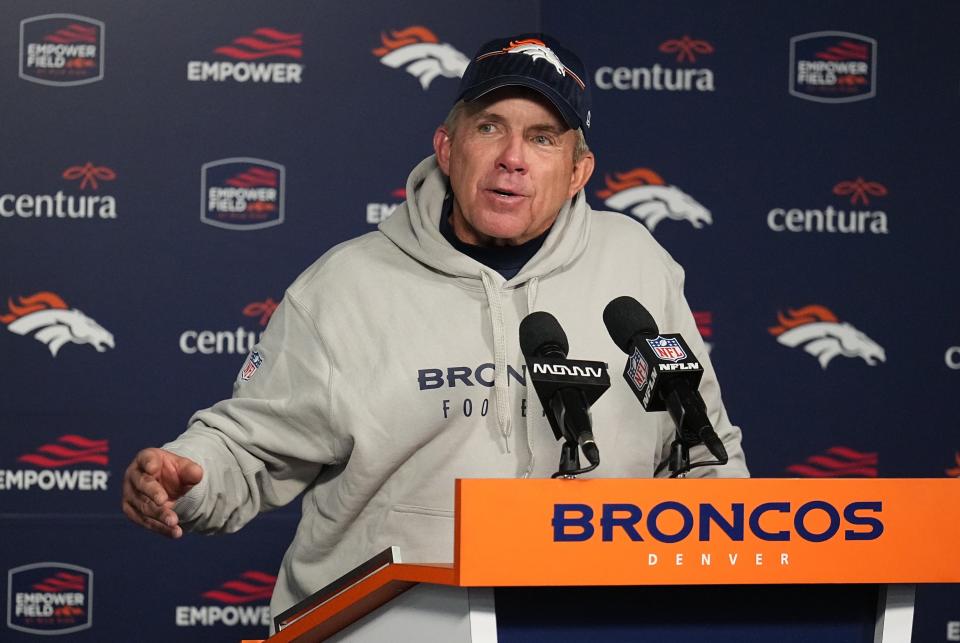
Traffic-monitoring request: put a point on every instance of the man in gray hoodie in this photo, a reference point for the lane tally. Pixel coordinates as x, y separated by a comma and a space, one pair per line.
393, 367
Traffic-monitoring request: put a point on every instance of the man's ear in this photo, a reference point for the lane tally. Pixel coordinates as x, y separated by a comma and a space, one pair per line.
582, 171
441, 147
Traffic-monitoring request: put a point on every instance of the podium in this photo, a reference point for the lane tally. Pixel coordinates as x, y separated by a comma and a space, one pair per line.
657, 560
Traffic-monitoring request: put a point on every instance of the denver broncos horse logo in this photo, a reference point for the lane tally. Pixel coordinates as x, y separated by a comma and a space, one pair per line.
644, 195
822, 335
418, 50
54, 323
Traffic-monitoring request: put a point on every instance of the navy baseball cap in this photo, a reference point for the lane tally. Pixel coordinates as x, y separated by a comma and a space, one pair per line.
536, 61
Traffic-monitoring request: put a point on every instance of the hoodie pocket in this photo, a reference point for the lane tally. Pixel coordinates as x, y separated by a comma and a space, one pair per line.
424, 534
423, 511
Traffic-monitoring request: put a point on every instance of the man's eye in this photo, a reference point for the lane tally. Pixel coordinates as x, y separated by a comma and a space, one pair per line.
540, 139
485, 128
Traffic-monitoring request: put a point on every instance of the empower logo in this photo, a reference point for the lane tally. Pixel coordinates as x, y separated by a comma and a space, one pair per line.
833, 67
58, 466
242, 193
88, 177
644, 195
230, 603
377, 212
417, 50
241, 54
860, 218
663, 77
837, 462
819, 333
61, 49
51, 321
50, 598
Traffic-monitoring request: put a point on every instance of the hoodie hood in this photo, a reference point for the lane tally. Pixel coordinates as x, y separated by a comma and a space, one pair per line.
415, 228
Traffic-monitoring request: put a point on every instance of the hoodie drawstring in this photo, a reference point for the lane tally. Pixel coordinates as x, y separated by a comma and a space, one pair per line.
495, 306
532, 287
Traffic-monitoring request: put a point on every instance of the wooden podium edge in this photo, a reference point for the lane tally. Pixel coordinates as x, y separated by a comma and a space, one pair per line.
360, 599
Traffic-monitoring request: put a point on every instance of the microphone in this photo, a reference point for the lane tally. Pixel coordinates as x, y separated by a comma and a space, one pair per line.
662, 372
566, 388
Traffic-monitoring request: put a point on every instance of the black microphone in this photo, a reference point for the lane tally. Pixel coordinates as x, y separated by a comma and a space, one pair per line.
566, 387
662, 372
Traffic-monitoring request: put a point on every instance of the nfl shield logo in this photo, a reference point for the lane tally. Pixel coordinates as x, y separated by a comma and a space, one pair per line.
637, 370
253, 363
667, 348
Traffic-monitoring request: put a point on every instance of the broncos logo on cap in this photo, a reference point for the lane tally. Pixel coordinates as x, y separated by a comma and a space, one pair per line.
418, 50
54, 323
822, 335
644, 195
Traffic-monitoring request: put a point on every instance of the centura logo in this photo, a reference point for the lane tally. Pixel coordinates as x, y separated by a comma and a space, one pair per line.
240, 67
239, 341
57, 466
818, 331
377, 212
660, 77
230, 600
242, 193
837, 462
421, 54
61, 49
954, 472
831, 219
644, 195
50, 598
54, 323
833, 67
88, 177
704, 320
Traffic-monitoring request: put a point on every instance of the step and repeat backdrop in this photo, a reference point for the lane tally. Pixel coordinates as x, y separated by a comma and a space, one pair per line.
169, 168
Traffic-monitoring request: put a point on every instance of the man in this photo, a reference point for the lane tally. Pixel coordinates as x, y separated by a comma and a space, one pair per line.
392, 366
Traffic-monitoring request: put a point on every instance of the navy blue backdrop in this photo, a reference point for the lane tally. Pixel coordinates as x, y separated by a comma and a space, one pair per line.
169, 168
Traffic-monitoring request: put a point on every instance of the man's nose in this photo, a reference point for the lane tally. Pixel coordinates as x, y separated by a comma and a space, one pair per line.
512, 156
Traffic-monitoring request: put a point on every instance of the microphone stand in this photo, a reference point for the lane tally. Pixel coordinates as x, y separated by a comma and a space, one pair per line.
570, 461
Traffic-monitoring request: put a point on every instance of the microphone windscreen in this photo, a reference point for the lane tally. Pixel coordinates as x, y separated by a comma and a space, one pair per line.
540, 333
625, 317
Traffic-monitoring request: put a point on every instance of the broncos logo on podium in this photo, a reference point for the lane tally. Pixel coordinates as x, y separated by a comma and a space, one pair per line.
54, 323
822, 335
419, 51
644, 195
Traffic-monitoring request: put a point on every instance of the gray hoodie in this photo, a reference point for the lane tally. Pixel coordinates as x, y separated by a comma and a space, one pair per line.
393, 367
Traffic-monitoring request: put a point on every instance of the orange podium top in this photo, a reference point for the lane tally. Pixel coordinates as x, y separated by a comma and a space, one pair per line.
704, 532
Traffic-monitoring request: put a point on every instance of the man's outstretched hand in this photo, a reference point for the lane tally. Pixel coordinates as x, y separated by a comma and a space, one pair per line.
151, 485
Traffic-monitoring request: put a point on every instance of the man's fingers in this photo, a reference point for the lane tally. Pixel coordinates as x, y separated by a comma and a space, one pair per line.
152, 524
162, 512
190, 472
149, 461
150, 486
